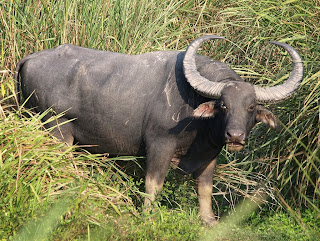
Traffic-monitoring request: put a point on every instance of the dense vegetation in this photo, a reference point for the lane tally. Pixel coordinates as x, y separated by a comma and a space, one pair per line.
50, 191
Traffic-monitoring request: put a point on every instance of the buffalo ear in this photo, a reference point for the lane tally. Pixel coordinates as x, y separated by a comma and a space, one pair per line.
205, 110
267, 117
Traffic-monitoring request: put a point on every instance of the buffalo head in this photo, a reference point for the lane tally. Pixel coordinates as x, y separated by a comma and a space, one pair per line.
238, 103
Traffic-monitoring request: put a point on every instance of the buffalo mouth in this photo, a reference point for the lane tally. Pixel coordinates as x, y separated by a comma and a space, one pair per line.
235, 146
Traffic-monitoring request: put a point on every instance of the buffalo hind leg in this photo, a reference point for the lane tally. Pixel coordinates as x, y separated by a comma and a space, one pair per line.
204, 176
159, 155
61, 130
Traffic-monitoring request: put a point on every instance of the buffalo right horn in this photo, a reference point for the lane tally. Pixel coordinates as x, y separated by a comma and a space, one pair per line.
288, 87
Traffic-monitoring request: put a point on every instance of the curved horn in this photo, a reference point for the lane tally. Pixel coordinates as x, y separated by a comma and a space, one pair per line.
203, 86
285, 90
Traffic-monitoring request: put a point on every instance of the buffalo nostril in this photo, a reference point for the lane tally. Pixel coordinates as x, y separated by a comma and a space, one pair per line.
235, 134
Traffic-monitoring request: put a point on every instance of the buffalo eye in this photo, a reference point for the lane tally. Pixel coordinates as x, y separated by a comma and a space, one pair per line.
223, 106
251, 108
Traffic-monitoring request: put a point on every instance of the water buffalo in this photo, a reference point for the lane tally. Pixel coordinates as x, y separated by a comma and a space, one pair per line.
166, 105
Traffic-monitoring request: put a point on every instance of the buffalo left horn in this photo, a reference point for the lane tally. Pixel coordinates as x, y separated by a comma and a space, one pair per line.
200, 84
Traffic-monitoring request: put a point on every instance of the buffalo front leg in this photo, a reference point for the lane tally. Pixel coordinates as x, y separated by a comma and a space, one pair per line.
159, 155
204, 176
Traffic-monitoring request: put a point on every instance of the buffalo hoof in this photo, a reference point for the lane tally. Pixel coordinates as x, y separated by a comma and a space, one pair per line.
209, 221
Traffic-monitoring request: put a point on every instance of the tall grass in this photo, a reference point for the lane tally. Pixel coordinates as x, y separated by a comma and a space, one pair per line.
36, 171
293, 156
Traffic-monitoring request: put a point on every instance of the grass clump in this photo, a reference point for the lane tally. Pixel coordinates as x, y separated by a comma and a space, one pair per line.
273, 226
37, 172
